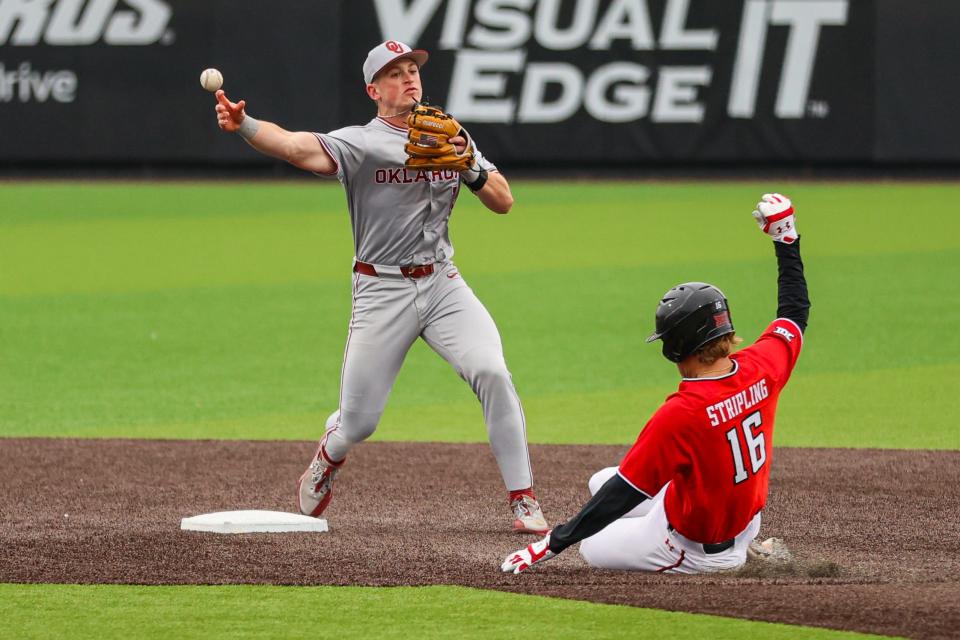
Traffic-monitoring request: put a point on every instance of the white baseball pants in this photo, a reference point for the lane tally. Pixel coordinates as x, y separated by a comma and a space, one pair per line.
642, 541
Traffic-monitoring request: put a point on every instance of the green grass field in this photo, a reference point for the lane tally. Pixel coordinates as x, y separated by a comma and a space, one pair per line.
220, 311
241, 612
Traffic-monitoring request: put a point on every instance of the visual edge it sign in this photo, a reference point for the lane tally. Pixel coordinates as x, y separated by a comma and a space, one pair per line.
527, 62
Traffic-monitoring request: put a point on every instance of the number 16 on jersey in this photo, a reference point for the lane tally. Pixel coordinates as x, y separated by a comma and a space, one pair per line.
753, 437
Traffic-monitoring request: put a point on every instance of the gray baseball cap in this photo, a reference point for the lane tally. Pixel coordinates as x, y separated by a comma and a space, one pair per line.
385, 53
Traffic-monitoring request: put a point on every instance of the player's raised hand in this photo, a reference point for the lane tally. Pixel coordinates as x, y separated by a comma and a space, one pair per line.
774, 214
229, 114
523, 559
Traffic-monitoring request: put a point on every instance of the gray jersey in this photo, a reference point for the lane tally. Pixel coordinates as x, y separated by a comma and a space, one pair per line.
399, 215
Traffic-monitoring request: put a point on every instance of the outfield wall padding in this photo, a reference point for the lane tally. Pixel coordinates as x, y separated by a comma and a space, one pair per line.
591, 82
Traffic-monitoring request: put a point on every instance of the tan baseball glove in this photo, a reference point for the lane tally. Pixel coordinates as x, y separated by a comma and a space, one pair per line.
429, 146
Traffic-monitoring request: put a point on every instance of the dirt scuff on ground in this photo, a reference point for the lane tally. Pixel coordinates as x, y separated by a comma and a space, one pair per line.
874, 532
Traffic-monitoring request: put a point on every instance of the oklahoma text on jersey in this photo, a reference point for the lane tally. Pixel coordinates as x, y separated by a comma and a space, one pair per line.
402, 176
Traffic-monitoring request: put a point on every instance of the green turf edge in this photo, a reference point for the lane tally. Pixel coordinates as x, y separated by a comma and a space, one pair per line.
248, 611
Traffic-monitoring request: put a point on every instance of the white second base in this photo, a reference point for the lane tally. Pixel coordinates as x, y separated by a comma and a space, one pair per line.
253, 521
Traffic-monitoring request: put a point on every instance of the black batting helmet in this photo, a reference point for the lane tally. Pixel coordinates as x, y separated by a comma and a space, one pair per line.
689, 316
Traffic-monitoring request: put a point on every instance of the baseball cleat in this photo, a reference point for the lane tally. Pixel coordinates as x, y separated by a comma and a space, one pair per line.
315, 488
770, 550
528, 516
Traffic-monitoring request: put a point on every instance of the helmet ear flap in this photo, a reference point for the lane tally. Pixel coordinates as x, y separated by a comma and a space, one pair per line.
671, 352
668, 349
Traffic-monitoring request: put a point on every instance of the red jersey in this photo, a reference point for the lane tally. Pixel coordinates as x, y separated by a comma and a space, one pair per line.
712, 440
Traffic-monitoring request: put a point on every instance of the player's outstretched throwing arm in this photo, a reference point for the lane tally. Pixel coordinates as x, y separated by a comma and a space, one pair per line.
299, 148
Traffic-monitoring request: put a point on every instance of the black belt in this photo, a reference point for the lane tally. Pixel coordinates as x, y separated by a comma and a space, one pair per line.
709, 548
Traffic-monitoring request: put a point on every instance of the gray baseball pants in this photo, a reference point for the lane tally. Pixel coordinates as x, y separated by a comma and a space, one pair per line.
389, 313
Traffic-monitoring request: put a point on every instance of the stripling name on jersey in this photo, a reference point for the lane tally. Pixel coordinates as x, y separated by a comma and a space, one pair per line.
729, 408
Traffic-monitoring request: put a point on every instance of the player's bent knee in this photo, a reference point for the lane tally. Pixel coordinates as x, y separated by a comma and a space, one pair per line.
600, 478
357, 427
332, 420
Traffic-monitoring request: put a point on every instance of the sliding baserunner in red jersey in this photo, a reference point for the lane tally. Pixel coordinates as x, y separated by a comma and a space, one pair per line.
687, 497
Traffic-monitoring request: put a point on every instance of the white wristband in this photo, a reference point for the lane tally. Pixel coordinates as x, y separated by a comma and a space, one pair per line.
248, 127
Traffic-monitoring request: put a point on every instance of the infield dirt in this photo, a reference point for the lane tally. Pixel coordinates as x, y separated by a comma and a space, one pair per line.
875, 533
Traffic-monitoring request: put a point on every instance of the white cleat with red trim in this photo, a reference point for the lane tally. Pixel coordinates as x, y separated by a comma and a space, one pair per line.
315, 488
528, 515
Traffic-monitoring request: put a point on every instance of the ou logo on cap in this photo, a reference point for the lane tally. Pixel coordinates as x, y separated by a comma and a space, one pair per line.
394, 46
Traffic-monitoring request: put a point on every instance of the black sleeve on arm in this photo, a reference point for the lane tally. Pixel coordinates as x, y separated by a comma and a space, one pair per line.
615, 498
792, 299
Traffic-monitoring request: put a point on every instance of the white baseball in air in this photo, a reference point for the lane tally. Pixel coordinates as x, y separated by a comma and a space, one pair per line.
211, 79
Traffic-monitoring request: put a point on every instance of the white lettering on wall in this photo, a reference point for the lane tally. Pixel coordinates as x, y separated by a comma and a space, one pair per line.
26, 23
479, 84
805, 20
24, 84
497, 77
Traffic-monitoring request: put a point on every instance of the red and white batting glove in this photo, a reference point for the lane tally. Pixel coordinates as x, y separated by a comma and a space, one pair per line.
775, 216
525, 558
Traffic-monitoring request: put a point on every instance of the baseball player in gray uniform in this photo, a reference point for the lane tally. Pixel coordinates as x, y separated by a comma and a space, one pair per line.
405, 284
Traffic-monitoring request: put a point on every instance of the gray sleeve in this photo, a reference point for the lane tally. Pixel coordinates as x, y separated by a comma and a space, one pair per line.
346, 148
